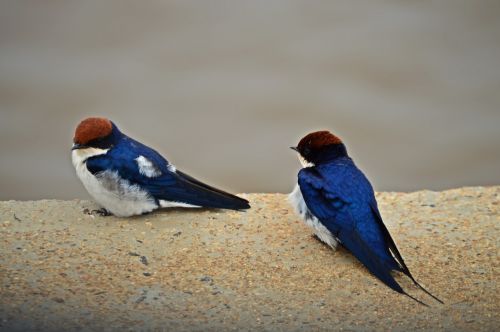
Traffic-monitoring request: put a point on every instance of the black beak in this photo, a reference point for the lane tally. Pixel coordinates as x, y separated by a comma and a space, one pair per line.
294, 148
77, 146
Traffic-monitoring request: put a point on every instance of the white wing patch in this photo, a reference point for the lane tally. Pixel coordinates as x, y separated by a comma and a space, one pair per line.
167, 204
171, 168
147, 168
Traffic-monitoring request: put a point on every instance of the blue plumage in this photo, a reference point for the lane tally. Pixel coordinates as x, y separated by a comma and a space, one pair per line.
124, 173
339, 195
169, 185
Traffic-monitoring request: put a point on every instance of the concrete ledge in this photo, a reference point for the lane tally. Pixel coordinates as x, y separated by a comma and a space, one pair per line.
62, 267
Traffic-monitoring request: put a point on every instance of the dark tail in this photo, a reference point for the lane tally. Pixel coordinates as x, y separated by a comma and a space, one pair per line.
361, 251
415, 299
395, 252
199, 193
407, 272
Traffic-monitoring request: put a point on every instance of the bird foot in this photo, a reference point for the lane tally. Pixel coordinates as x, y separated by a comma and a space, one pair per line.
101, 212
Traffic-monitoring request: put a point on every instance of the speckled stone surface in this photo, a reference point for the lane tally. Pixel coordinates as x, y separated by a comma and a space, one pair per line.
63, 267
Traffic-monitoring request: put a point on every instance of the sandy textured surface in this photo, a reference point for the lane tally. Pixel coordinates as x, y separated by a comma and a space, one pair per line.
62, 267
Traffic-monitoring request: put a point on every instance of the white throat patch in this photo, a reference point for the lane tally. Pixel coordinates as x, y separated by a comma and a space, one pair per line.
304, 162
79, 156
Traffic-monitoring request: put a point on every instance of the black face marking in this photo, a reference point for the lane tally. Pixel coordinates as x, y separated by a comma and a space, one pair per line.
102, 143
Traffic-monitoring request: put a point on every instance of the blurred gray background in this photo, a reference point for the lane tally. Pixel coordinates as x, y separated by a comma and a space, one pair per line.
223, 88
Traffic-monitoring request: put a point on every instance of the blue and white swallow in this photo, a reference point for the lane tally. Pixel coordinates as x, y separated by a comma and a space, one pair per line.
337, 201
128, 178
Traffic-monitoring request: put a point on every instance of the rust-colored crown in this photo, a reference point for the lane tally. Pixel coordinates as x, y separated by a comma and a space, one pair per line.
92, 128
317, 140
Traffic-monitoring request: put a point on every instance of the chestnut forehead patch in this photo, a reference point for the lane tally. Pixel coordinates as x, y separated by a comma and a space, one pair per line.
92, 128
318, 139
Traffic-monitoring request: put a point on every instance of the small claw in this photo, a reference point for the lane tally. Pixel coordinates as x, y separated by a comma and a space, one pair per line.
102, 212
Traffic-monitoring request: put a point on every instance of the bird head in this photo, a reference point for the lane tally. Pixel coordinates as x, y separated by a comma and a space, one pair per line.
97, 133
319, 146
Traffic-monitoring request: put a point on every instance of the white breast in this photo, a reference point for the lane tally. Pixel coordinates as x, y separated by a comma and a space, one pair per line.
109, 190
297, 201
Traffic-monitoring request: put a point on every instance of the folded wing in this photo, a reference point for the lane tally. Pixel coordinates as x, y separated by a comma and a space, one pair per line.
339, 212
167, 184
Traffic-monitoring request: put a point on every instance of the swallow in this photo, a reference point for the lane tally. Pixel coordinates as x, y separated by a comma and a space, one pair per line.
337, 201
128, 178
